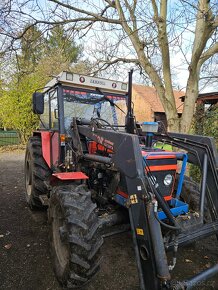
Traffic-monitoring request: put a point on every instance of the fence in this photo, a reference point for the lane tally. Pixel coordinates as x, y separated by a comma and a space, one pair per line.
9, 138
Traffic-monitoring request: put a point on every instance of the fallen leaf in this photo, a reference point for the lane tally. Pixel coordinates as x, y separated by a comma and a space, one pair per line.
8, 246
206, 257
188, 261
1, 236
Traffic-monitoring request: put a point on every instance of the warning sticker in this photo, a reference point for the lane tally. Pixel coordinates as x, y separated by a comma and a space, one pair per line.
133, 199
139, 232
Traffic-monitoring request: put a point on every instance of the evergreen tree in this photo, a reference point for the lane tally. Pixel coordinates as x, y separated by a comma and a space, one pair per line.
33, 48
59, 40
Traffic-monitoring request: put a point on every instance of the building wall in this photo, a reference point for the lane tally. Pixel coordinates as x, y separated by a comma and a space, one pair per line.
148, 106
142, 109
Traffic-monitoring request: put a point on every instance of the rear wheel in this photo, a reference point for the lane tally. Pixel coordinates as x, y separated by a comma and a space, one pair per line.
36, 173
191, 195
74, 235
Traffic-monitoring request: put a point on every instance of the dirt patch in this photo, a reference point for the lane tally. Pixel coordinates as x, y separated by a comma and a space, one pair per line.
24, 251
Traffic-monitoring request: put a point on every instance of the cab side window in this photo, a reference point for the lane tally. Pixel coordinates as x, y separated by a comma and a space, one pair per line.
54, 109
45, 116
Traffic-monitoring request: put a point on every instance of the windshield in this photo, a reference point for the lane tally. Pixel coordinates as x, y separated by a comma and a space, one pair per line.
93, 105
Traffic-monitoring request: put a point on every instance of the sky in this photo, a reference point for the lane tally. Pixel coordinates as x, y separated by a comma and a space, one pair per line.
94, 43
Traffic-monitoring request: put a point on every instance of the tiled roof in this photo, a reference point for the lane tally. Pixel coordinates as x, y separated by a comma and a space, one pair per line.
211, 94
150, 96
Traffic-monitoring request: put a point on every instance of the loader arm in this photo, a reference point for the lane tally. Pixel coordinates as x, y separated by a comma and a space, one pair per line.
148, 242
201, 152
147, 237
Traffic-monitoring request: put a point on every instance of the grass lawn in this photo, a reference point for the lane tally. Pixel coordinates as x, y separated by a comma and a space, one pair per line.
163, 146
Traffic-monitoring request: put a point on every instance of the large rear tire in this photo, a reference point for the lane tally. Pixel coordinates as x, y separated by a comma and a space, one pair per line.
74, 236
36, 173
191, 193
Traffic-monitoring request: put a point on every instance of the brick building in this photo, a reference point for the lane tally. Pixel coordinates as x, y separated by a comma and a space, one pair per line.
147, 105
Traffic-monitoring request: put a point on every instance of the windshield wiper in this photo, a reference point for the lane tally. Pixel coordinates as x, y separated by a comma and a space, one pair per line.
111, 102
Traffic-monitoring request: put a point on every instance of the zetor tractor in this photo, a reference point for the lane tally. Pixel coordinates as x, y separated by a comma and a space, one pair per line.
100, 173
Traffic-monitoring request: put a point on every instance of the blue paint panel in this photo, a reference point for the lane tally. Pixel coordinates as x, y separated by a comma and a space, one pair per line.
182, 174
180, 208
120, 199
150, 123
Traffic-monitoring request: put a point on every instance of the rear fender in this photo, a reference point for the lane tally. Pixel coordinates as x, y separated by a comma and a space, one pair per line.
50, 146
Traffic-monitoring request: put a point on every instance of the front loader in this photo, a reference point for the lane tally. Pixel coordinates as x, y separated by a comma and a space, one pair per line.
100, 172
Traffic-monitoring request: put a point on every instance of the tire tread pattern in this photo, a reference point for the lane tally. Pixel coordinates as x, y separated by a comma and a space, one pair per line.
81, 222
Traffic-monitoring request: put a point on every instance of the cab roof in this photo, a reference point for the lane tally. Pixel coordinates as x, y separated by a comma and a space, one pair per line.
88, 82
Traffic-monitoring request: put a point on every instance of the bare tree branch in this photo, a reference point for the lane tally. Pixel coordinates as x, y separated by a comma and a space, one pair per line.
106, 64
208, 53
111, 3
98, 17
132, 15
146, 33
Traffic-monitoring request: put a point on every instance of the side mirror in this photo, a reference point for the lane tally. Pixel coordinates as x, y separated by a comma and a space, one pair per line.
38, 103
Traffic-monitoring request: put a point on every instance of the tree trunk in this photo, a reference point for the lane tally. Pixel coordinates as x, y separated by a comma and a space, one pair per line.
189, 103
174, 124
199, 119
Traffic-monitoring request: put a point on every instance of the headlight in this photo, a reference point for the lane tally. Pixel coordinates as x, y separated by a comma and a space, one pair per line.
168, 179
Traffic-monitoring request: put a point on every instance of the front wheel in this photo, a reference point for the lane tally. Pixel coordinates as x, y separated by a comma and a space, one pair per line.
74, 236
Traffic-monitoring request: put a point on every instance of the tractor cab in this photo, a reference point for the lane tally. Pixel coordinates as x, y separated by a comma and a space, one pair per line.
70, 96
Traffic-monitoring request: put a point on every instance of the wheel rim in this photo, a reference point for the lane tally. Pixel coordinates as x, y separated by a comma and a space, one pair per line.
59, 233
28, 175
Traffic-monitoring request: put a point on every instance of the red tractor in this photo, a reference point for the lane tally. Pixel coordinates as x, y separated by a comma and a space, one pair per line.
98, 170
